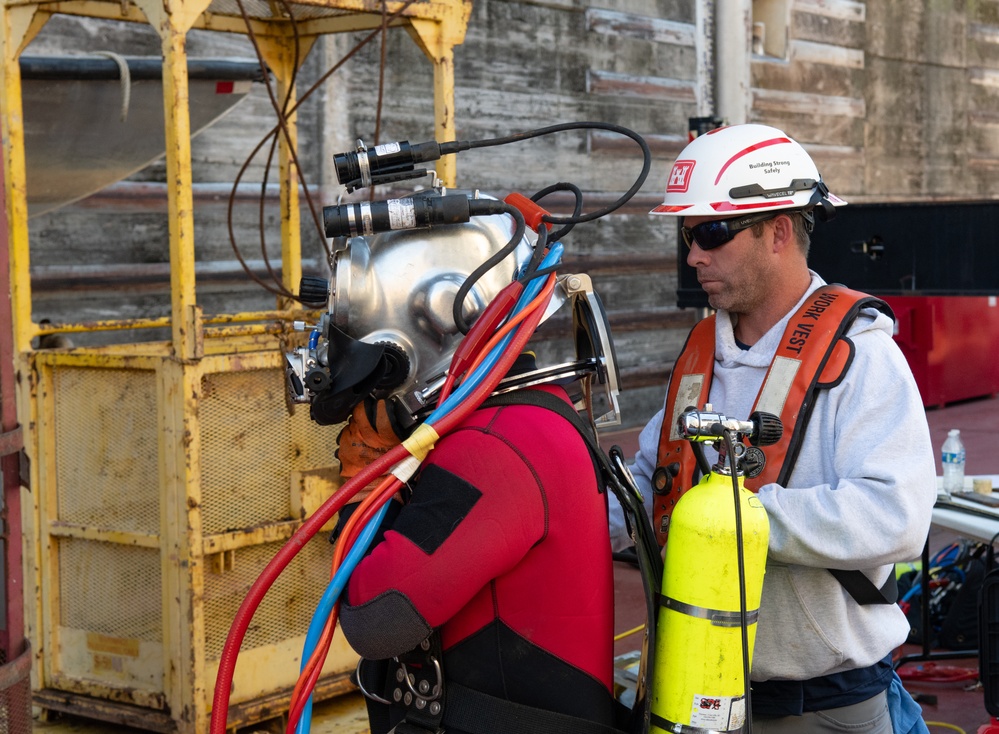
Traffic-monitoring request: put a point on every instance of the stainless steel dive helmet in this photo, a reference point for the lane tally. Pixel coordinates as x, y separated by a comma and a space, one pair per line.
390, 330
397, 290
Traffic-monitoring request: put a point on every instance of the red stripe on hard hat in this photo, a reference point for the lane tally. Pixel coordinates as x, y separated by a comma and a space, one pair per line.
728, 206
663, 209
747, 151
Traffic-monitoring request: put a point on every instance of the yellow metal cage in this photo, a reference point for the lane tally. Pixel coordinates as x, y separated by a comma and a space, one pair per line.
165, 475
119, 609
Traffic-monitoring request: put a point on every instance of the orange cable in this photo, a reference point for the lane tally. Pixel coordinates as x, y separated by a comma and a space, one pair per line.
508, 326
322, 645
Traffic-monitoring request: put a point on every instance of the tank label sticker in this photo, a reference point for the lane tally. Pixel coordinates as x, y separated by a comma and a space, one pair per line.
720, 713
387, 149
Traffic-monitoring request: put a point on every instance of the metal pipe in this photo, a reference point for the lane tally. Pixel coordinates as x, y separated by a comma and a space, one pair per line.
704, 49
12, 624
733, 40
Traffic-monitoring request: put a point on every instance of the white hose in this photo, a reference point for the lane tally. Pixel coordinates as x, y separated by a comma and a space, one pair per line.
126, 80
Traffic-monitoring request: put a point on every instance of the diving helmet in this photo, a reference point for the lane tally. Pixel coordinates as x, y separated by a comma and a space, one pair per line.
390, 330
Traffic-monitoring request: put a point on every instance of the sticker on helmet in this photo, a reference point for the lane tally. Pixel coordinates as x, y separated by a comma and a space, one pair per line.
679, 177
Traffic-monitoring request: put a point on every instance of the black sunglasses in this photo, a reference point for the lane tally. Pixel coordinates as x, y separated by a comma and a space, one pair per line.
709, 235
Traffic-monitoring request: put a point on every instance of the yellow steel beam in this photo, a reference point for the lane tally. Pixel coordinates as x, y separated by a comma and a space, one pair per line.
437, 40
172, 20
179, 394
209, 21
92, 9
19, 26
273, 533
180, 204
43, 475
284, 60
23, 24
61, 529
60, 327
435, 10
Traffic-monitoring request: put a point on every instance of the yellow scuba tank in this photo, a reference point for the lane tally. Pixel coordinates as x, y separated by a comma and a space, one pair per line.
699, 683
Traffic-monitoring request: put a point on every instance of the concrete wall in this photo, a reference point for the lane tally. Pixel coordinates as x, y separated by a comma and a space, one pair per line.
895, 101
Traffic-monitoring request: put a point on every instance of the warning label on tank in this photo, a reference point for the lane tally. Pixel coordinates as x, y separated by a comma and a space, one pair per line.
722, 713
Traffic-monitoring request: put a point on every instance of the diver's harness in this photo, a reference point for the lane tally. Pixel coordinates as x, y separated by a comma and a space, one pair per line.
814, 354
419, 682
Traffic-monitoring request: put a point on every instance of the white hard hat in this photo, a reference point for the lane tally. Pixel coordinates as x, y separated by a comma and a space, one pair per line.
742, 169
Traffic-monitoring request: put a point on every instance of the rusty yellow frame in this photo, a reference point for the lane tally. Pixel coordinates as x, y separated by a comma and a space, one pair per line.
436, 27
222, 342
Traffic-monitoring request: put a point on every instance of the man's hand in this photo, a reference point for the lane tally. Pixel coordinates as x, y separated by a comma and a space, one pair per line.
368, 435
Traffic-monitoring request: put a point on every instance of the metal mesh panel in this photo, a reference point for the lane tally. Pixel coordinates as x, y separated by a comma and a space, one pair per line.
250, 446
15, 695
111, 589
287, 608
107, 468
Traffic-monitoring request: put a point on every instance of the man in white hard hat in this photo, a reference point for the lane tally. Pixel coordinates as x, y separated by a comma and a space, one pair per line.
853, 493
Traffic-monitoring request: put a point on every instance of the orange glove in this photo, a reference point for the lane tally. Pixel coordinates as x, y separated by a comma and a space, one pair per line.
368, 435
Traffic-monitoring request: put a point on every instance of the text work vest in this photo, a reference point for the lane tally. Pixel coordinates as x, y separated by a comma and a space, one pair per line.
814, 354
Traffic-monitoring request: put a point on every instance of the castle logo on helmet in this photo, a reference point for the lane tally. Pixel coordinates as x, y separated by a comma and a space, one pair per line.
679, 177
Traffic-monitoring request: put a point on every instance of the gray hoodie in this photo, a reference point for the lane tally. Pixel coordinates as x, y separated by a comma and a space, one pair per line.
860, 497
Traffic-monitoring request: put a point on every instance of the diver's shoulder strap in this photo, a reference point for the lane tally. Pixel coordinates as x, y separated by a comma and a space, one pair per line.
543, 399
863, 590
689, 385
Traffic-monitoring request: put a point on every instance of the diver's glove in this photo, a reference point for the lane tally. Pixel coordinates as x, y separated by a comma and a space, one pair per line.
370, 432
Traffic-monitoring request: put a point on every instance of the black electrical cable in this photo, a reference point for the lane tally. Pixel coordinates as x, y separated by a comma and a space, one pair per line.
518, 235
740, 554
540, 248
289, 106
650, 563
577, 208
458, 146
702, 461
539, 273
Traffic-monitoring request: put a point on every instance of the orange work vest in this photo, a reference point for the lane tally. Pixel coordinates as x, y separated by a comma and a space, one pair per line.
814, 354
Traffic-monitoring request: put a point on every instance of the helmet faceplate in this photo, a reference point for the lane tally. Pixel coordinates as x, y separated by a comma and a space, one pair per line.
742, 168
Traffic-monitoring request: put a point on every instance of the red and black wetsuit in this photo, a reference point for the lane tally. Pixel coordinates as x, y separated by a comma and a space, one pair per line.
504, 548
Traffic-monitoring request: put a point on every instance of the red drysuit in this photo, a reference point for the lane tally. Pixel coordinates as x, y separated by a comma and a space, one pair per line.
504, 547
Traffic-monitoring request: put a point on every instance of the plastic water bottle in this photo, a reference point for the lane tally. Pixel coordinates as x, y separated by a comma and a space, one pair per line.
952, 456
